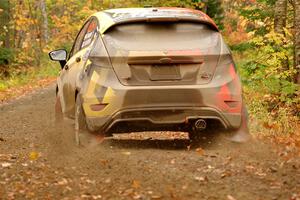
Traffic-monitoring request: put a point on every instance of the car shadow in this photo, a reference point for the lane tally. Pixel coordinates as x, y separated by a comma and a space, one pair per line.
205, 140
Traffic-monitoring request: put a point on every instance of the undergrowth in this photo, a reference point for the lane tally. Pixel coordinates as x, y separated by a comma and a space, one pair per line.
20, 76
267, 73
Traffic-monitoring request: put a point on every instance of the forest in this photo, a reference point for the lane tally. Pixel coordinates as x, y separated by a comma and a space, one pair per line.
264, 36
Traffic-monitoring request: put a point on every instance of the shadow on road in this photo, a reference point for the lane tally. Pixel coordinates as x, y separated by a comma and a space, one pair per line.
208, 139
144, 144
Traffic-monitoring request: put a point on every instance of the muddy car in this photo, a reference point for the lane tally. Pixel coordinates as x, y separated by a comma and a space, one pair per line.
150, 68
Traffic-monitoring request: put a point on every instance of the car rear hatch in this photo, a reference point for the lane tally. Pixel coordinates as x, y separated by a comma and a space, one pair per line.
163, 53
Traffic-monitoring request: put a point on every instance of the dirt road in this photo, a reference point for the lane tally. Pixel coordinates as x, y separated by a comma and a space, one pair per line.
40, 160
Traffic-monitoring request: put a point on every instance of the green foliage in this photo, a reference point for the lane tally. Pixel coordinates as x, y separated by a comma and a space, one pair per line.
215, 10
259, 17
270, 68
265, 62
242, 46
267, 74
21, 76
6, 56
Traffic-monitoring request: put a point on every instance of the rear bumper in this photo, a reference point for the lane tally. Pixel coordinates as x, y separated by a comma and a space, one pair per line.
220, 99
164, 115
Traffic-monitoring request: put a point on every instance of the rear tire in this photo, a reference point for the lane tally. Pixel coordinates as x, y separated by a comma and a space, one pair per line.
58, 110
80, 121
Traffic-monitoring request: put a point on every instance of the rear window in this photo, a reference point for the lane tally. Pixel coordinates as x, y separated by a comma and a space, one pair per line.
161, 36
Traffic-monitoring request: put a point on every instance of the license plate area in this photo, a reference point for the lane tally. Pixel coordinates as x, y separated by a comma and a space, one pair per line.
162, 72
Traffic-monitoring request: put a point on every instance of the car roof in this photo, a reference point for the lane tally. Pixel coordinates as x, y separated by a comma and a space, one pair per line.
112, 17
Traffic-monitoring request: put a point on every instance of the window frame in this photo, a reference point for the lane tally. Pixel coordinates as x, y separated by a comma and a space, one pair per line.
85, 26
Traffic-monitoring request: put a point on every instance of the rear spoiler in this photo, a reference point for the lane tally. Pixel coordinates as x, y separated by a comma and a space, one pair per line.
151, 19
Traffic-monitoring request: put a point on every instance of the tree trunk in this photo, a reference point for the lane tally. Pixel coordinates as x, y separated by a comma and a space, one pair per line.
7, 36
45, 35
280, 16
4, 22
297, 39
280, 19
205, 6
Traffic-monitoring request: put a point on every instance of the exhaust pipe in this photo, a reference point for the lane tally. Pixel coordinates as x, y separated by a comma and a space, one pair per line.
200, 124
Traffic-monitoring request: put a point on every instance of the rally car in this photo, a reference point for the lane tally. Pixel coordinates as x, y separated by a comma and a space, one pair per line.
150, 67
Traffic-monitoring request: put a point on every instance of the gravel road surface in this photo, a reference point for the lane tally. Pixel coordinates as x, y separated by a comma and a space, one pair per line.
39, 159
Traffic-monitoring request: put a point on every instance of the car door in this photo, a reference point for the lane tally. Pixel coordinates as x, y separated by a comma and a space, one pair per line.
76, 63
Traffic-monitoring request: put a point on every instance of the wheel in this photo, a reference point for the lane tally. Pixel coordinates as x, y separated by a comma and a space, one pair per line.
80, 121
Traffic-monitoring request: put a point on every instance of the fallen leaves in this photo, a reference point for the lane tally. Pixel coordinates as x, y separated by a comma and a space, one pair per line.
200, 151
260, 174
289, 142
229, 197
273, 169
136, 184
127, 153
173, 161
295, 196
7, 160
201, 178
33, 155
152, 135
104, 162
275, 185
63, 181
7, 157
5, 165
108, 180
90, 196
249, 168
20, 90
156, 197
225, 174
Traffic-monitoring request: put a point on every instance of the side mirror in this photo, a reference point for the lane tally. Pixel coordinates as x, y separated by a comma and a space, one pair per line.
59, 55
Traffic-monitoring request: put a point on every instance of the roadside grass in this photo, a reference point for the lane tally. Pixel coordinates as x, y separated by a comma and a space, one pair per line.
24, 79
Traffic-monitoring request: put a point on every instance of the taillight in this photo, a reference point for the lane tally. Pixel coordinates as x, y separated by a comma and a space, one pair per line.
229, 96
98, 107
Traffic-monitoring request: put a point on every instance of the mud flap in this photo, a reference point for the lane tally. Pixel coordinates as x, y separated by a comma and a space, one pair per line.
242, 134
